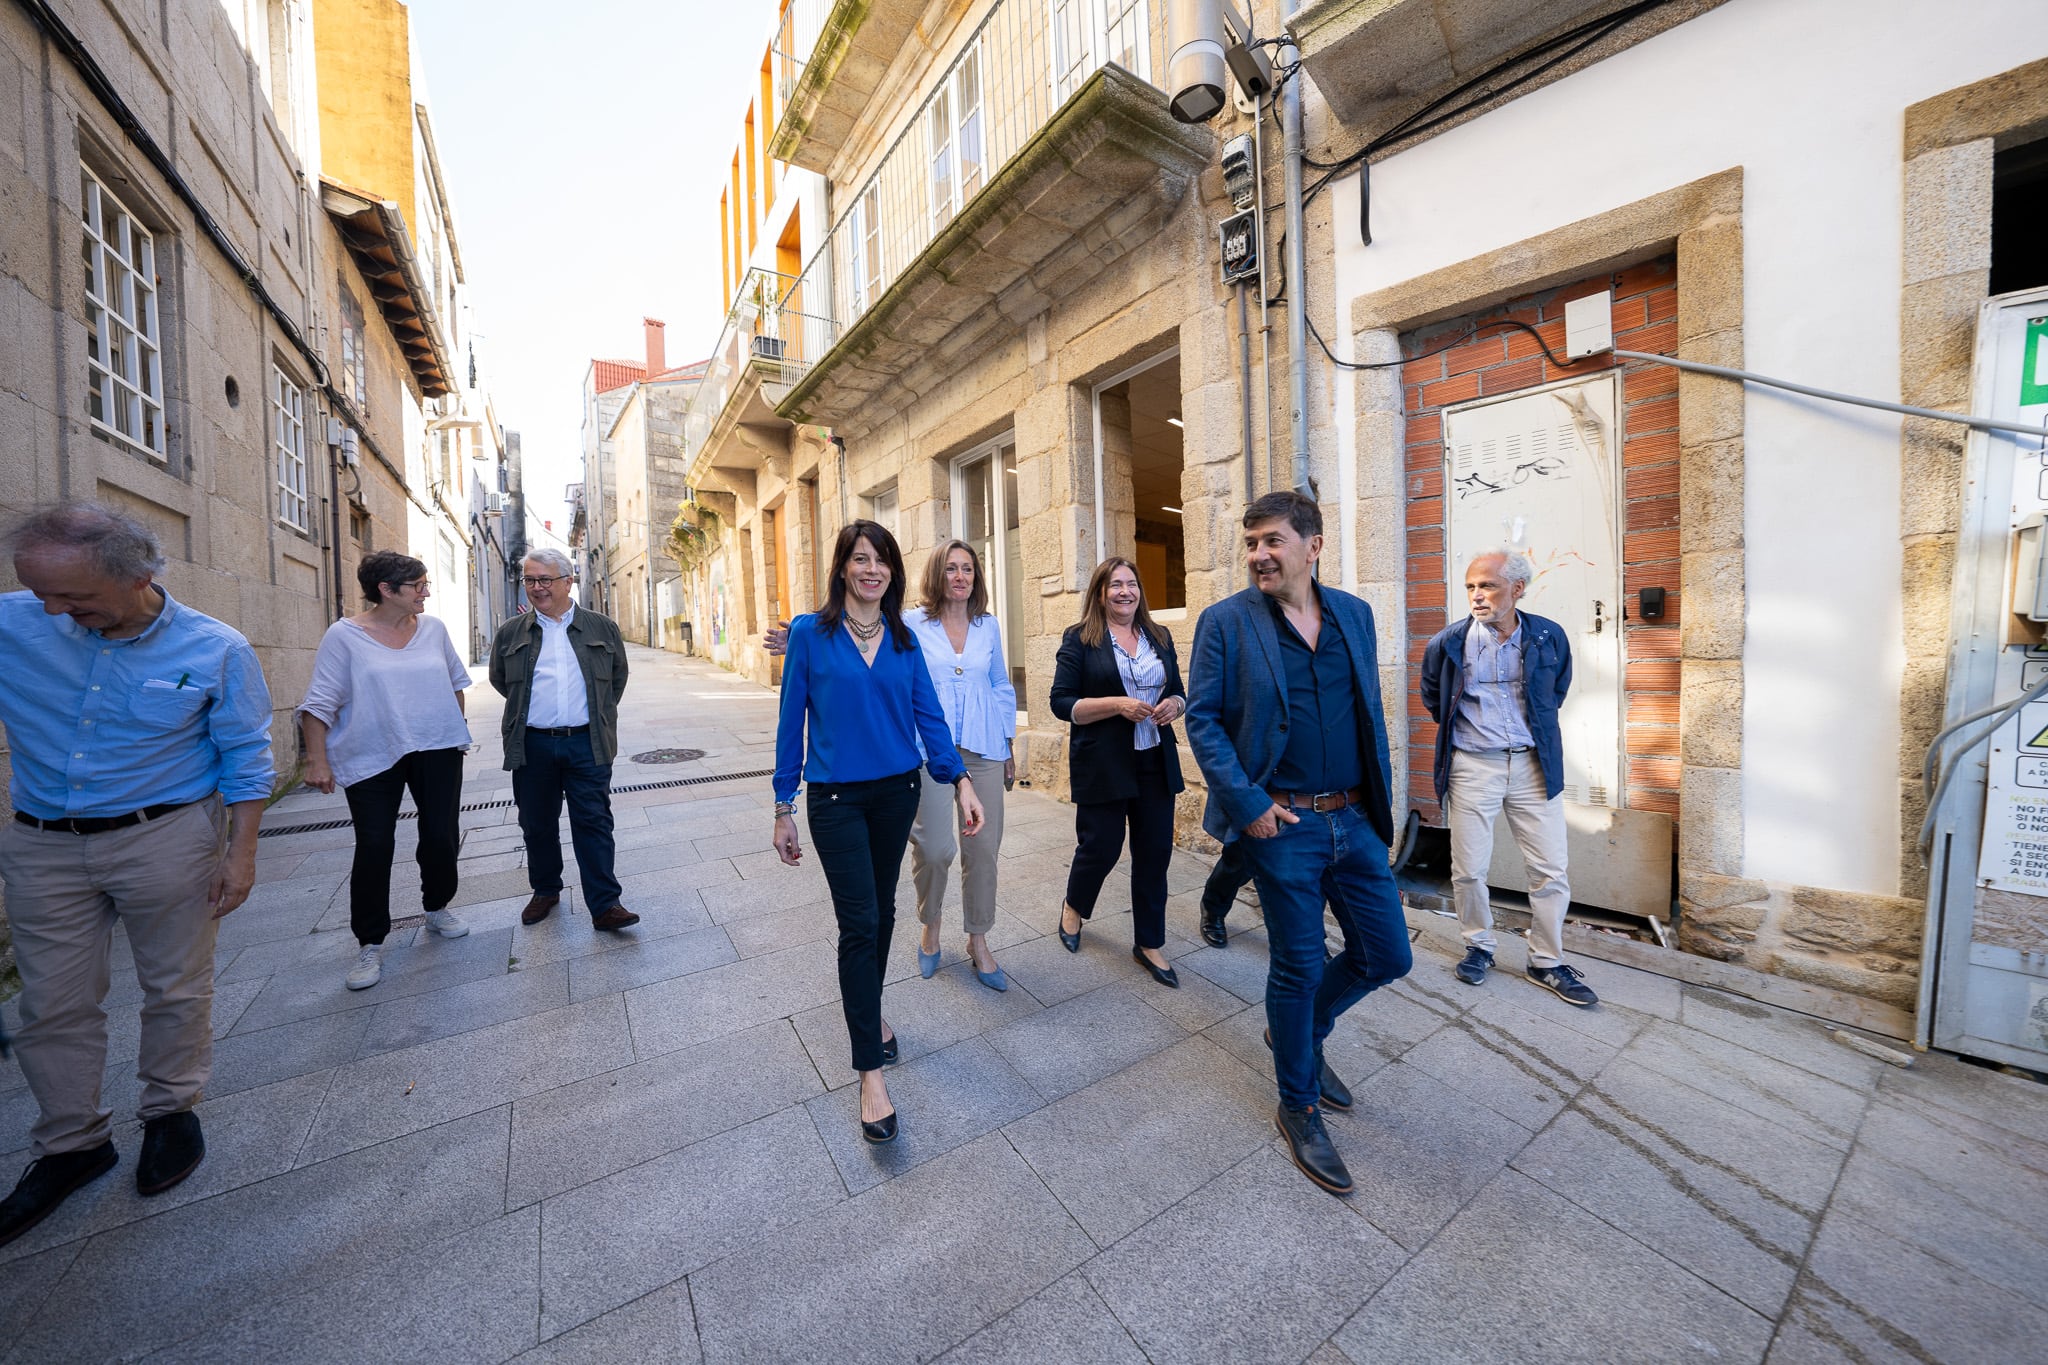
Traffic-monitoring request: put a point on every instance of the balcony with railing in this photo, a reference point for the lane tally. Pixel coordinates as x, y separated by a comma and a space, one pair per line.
1039, 157
758, 355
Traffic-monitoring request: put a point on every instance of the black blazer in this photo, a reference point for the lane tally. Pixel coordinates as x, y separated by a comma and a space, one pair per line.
1100, 765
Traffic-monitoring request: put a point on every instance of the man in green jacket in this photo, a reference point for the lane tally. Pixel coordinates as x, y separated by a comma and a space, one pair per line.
562, 669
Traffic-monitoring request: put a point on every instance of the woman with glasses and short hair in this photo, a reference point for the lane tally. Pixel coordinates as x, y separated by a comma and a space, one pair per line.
855, 680
383, 716
1117, 682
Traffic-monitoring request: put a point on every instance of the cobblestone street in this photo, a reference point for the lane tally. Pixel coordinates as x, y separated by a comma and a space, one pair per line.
550, 1144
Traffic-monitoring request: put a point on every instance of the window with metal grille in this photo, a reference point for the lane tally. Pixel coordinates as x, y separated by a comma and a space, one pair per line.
124, 372
288, 439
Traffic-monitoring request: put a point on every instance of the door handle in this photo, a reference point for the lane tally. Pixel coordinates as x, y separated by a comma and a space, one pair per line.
1599, 617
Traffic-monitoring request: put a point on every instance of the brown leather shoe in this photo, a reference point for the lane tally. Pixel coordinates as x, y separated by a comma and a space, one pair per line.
539, 908
618, 917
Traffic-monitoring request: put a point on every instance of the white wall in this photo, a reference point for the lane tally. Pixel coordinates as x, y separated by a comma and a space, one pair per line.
1808, 97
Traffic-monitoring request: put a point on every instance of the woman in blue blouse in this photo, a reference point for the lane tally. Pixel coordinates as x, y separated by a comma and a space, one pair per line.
963, 649
856, 679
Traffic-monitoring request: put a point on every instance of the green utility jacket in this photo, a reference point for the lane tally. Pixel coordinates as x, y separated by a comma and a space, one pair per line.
599, 649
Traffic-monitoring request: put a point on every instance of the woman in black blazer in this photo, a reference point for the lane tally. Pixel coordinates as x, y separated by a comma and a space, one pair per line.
1117, 682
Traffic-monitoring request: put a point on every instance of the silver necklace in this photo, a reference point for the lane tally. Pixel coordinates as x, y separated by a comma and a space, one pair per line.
863, 635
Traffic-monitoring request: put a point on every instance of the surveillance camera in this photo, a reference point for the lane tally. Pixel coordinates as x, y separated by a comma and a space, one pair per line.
1195, 67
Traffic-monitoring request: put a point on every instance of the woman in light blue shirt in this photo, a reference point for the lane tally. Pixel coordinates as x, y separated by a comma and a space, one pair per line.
963, 648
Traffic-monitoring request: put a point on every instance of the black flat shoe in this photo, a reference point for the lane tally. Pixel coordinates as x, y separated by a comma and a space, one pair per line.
1165, 976
48, 1182
172, 1148
890, 1052
1072, 942
881, 1130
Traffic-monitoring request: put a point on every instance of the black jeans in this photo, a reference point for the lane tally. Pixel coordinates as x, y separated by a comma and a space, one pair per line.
435, 779
860, 830
559, 766
1233, 869
1099, 834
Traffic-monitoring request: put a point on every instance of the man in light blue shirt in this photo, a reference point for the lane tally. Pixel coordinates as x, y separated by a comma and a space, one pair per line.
140, 736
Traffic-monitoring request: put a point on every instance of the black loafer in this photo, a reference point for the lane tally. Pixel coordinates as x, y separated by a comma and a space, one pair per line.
1071, 942
47, 1183
1310, 1147
890, 1051
1336, 1094
172, 1148
1213, 932
1165, 976
881, 1130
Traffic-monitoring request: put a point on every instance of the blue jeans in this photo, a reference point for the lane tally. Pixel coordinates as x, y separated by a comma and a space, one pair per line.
559, 766
1335, 857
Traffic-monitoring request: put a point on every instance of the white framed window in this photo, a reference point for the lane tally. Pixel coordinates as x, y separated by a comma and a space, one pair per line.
124, 369
1086, 34
288, 444
985, 516
866, 236
880, 507
953, 137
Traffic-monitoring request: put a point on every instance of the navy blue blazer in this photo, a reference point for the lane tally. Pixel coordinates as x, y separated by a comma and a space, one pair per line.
1546, 677
1237, 708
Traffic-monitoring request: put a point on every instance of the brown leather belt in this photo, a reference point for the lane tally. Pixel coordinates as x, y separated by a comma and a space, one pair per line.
100, 824
1320, 802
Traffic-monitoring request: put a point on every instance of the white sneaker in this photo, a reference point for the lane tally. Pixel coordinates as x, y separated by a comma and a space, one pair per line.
444, 923
369, 968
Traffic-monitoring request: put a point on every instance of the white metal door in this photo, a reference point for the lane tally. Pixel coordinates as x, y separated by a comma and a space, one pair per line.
1985, 971
1536, 471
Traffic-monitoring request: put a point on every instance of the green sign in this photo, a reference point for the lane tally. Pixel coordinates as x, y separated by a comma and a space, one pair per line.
2034, 364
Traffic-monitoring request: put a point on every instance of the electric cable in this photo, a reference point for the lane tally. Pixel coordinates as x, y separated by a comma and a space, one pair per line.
1998, 715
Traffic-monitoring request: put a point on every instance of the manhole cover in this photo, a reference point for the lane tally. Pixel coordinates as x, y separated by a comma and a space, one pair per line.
668, 755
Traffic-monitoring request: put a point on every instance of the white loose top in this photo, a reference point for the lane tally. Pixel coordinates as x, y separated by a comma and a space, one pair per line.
973, 684
556, 698
380, 704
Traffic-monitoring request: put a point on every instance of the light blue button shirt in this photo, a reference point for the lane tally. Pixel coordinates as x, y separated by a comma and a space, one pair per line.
974, 685
1144, 678
104, 727
1492, 713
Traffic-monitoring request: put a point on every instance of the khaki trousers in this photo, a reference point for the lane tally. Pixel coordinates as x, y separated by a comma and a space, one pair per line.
934, 842
1482, 787
64, 893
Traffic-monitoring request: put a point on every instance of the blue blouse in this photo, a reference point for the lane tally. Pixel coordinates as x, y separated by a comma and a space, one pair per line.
865, 719
974, 687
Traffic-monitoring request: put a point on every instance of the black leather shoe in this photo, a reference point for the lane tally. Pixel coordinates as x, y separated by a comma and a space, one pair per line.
1336, 1094
1213, 932
172, 1148
540, 907
1311, 1148
881, 1130
890, 1052
1072, 942
1165, 976
48, 1182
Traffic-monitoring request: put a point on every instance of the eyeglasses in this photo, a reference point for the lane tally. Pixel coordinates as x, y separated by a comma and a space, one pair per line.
543, 582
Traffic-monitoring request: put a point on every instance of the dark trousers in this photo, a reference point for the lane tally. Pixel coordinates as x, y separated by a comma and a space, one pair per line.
559, 766
1099, 836
434, 776
1233, 869
860, 830
1338, 858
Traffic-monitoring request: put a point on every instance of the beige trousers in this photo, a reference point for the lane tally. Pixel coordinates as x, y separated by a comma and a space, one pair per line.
64, 893
933, 843
1482, 787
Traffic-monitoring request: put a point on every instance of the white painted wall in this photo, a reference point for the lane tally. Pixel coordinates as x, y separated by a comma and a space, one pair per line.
1808, 97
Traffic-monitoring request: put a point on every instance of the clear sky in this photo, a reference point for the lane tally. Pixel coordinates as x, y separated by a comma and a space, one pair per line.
585, 144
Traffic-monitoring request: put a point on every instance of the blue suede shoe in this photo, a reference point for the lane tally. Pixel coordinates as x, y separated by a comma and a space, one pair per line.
927, 963
994, 980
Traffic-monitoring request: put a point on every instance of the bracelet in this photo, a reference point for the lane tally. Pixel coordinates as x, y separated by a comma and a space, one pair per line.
783, 808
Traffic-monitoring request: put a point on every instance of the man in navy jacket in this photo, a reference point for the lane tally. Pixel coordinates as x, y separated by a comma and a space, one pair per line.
1284, 718
1493, 683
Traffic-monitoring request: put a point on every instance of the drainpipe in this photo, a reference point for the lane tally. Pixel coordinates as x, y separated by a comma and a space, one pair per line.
1297, 256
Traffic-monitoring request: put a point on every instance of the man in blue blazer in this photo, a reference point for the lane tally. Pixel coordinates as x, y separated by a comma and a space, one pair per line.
1284, 718
1493, 683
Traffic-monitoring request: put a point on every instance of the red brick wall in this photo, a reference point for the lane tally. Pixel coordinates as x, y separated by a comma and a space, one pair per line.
1645, 319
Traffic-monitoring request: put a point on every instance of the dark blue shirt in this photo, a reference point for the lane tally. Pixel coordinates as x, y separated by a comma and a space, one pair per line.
865, 719
1323, 751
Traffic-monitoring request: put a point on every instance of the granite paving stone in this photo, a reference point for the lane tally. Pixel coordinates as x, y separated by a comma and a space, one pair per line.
754, 935
583, 1131
790, 888
1794, 1040
1257, 1265
1104, 1149
655, 1329
393, 1093
1066, 1322
2018, 1105
659, 959
26, 1283
568, 933
926, 1015
1044, 967
318, 988
901, 1272
1520, 1066
416, 1019
1523, 1270
221, 1256
608, 1242
709, 1004
943, 1099
1079, 1041
1798, 1101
